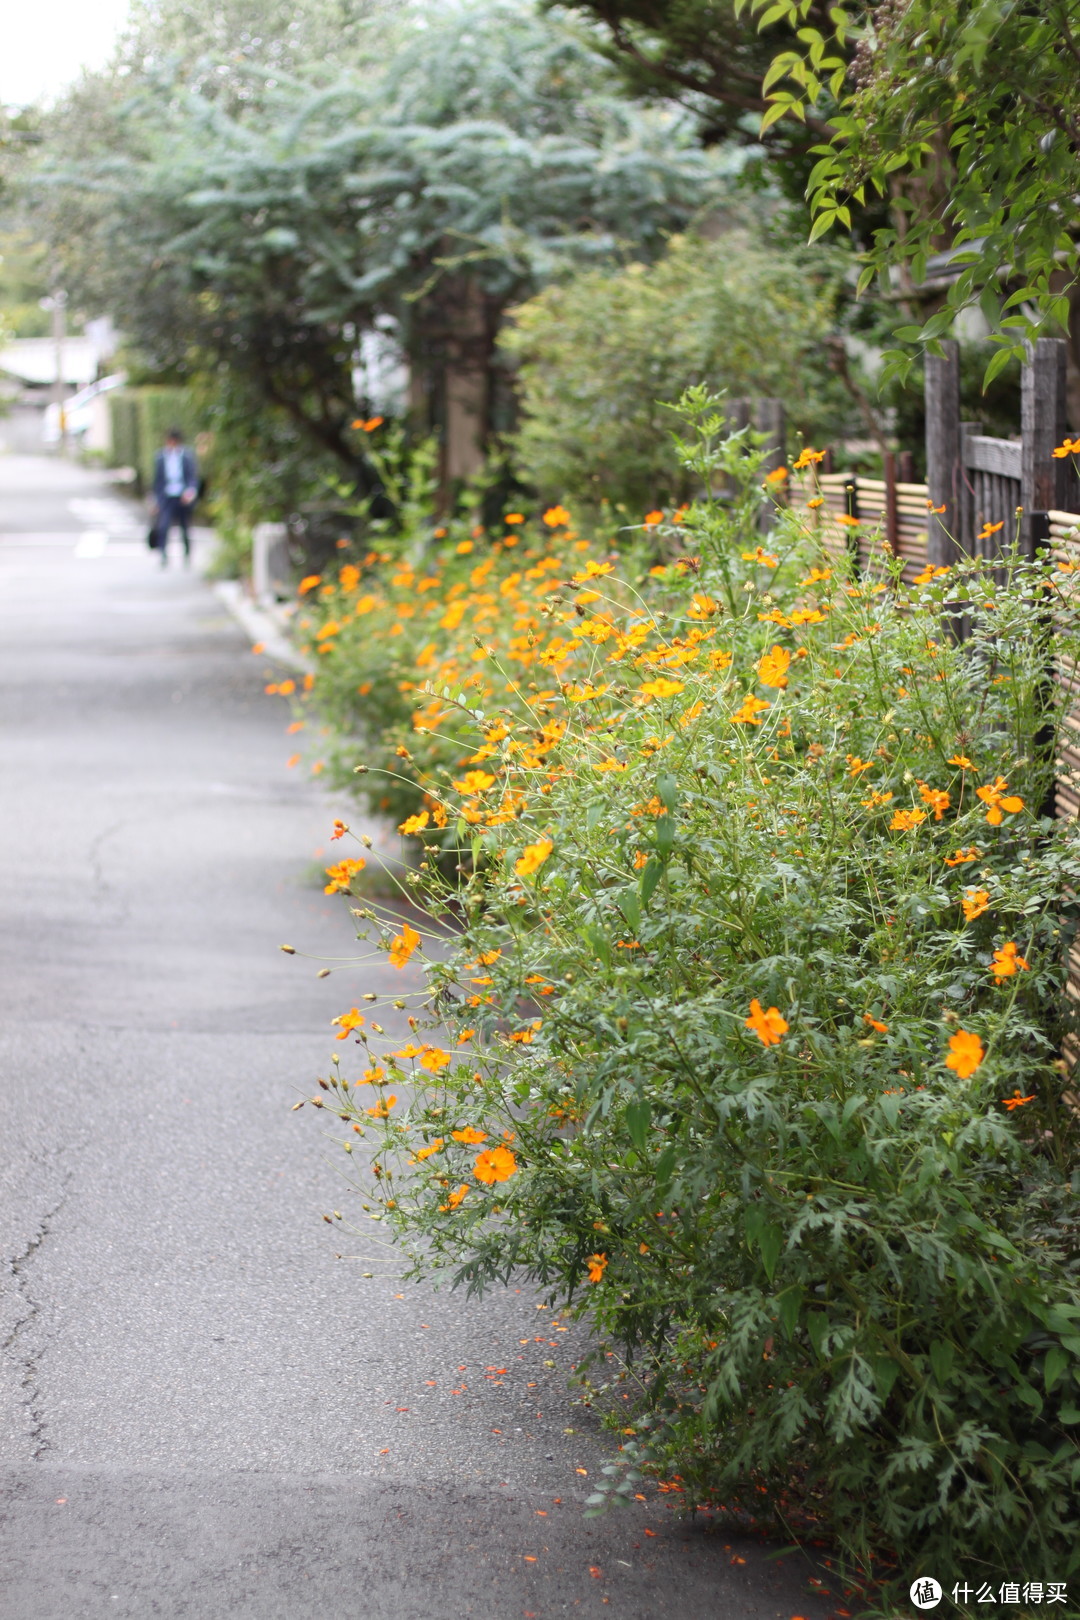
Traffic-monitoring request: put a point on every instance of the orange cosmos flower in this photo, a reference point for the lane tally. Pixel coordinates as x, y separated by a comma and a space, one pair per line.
341, 876
347, 1022
403, 946
475, 782
340, 829
433, 1147
596, 1264
760, 555
653, 518
929, 573
494, 1164
906, 820
433, 1059
856, 766
381, 1109
815, 502
414, 824
996, 798
1016, 1101
767, 1026
662, 687
1068, 447
374, 1073
965, 1053
308, 583
988, 529
975, 902
556, 517
748, 712
455, 1198
962, 856
514, 517
772, 667
875, 1023
847, 521
962, 760
939, 802
533, 857
777, 476
470, 1136
806, 457
1006, 962
592, 570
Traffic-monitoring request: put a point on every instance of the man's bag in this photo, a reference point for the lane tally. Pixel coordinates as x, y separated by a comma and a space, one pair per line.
153, 536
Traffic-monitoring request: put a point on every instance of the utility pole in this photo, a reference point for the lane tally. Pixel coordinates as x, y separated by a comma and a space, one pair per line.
56, 303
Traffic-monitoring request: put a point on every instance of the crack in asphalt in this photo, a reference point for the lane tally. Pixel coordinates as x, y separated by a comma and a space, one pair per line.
18, 1266
101, 889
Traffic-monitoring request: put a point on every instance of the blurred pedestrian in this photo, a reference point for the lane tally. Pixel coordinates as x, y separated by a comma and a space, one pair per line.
176, 488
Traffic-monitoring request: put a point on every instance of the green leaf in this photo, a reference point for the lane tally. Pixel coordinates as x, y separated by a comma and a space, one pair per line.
638, 1120
665, 1166
817, 1325
942, 1359
650, 877
997, 364
788, 1306
1057, 1360
823, 223
770, 1242
665, 834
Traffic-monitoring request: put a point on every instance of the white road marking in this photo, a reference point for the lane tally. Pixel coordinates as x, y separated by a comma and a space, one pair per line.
92, 543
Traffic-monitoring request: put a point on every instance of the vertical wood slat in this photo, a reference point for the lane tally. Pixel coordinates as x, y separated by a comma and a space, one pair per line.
1044, 479
944, 473
892, 515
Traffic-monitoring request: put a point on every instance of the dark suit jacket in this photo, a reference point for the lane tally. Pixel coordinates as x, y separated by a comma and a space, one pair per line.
191, 472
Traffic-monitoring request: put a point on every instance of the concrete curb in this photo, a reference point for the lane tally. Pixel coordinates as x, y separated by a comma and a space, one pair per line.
262, 624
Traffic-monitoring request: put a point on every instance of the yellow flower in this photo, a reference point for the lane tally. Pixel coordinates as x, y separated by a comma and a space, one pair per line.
759, 555
773, 666
906, 820
415, 824
662, 687
475, 782
806, 457
533, 857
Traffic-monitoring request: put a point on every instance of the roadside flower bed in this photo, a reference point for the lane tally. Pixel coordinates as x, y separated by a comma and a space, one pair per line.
747, 1035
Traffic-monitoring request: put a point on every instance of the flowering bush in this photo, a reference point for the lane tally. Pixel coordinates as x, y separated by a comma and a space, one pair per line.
411, 642
749, 1037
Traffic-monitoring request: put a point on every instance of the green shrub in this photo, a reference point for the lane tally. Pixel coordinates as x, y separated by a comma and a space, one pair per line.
750, 1041
601, 356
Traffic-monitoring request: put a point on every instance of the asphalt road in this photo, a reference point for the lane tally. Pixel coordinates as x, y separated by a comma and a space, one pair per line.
205, 1409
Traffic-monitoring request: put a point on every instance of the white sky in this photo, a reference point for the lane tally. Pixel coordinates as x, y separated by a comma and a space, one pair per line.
45, 43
